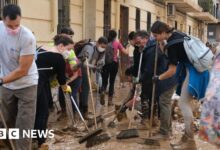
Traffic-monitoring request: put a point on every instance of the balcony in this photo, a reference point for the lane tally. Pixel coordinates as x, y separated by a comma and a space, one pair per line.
204, 16
159, 1
186, 6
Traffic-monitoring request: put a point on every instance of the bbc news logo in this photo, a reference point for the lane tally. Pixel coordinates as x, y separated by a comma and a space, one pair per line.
14, 133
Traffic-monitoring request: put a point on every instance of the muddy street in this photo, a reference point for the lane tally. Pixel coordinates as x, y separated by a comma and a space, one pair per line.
67, 139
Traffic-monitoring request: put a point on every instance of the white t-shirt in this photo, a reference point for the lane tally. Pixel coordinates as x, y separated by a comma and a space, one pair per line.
11, 48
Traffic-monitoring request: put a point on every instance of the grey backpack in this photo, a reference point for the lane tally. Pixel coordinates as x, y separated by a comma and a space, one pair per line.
109, 54
198, 54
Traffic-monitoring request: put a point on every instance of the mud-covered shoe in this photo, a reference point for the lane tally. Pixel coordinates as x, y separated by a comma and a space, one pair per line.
110, 103
155, 122
85, 115
102, 98
144, 125
62, 116
184, 143
44, 146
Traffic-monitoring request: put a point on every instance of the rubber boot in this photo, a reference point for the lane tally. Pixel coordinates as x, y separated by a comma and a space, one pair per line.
110, 103
102, 98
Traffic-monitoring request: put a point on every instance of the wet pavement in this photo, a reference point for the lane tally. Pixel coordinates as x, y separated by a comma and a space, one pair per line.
68, 140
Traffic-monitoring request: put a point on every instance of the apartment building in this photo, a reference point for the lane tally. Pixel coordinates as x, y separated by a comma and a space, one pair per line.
93, 18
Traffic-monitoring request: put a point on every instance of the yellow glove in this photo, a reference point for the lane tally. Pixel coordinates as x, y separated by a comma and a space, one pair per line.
67, 89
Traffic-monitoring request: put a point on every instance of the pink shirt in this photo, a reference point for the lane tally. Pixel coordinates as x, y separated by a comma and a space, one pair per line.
117, 46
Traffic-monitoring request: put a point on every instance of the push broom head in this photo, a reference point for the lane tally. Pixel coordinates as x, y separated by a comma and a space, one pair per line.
97, 140
90, 135
126, 134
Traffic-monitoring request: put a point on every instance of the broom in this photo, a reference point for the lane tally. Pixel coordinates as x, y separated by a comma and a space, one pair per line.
90, 88
150, 141
153, 91
130, 133
112, 123
97, 130
90, 134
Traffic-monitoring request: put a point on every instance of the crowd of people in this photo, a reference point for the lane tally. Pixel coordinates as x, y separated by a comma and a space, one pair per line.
29, 72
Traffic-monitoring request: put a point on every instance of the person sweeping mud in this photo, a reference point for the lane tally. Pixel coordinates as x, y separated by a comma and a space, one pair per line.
94, 53
187, 75
19, 76
50, 62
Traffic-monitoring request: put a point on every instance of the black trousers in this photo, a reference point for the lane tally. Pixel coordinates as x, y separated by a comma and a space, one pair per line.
42, 111
109, 73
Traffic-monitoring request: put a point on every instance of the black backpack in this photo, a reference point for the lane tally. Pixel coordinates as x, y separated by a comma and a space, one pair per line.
109, 53
80, 45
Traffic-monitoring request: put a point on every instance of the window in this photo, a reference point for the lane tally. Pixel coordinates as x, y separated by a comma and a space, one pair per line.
176, 25
189, 30
63, 14
107, 17
148, 21
217, 11
3, 3
170, 9
138, 18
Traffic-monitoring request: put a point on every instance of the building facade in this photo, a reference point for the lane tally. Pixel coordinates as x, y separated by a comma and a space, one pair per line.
94, 18
214, 28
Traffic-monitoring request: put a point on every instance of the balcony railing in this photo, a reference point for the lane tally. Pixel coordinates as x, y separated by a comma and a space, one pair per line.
186, 6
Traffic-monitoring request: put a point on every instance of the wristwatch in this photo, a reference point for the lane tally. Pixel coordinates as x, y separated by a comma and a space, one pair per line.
1, 81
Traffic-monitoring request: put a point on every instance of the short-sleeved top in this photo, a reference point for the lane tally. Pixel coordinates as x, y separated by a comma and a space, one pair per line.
72, 60
12, 47
117, 47
48, 60
176, 52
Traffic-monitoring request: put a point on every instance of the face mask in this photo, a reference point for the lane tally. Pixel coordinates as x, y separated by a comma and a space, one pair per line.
65, 54
13, 32
100, 49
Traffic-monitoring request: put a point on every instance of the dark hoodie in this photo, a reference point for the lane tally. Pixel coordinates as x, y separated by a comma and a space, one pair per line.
147, 68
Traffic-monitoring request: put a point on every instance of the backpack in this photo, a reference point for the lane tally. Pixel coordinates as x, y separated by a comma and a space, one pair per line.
198, 54
80, 45
109, 53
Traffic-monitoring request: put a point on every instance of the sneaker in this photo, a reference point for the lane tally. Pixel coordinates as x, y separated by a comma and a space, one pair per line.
102, 98
184, 143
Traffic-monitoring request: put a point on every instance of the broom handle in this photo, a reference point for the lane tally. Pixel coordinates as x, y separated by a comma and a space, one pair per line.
83, 120
70, 110
153, 91
135, 93
5, 125
90, 87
